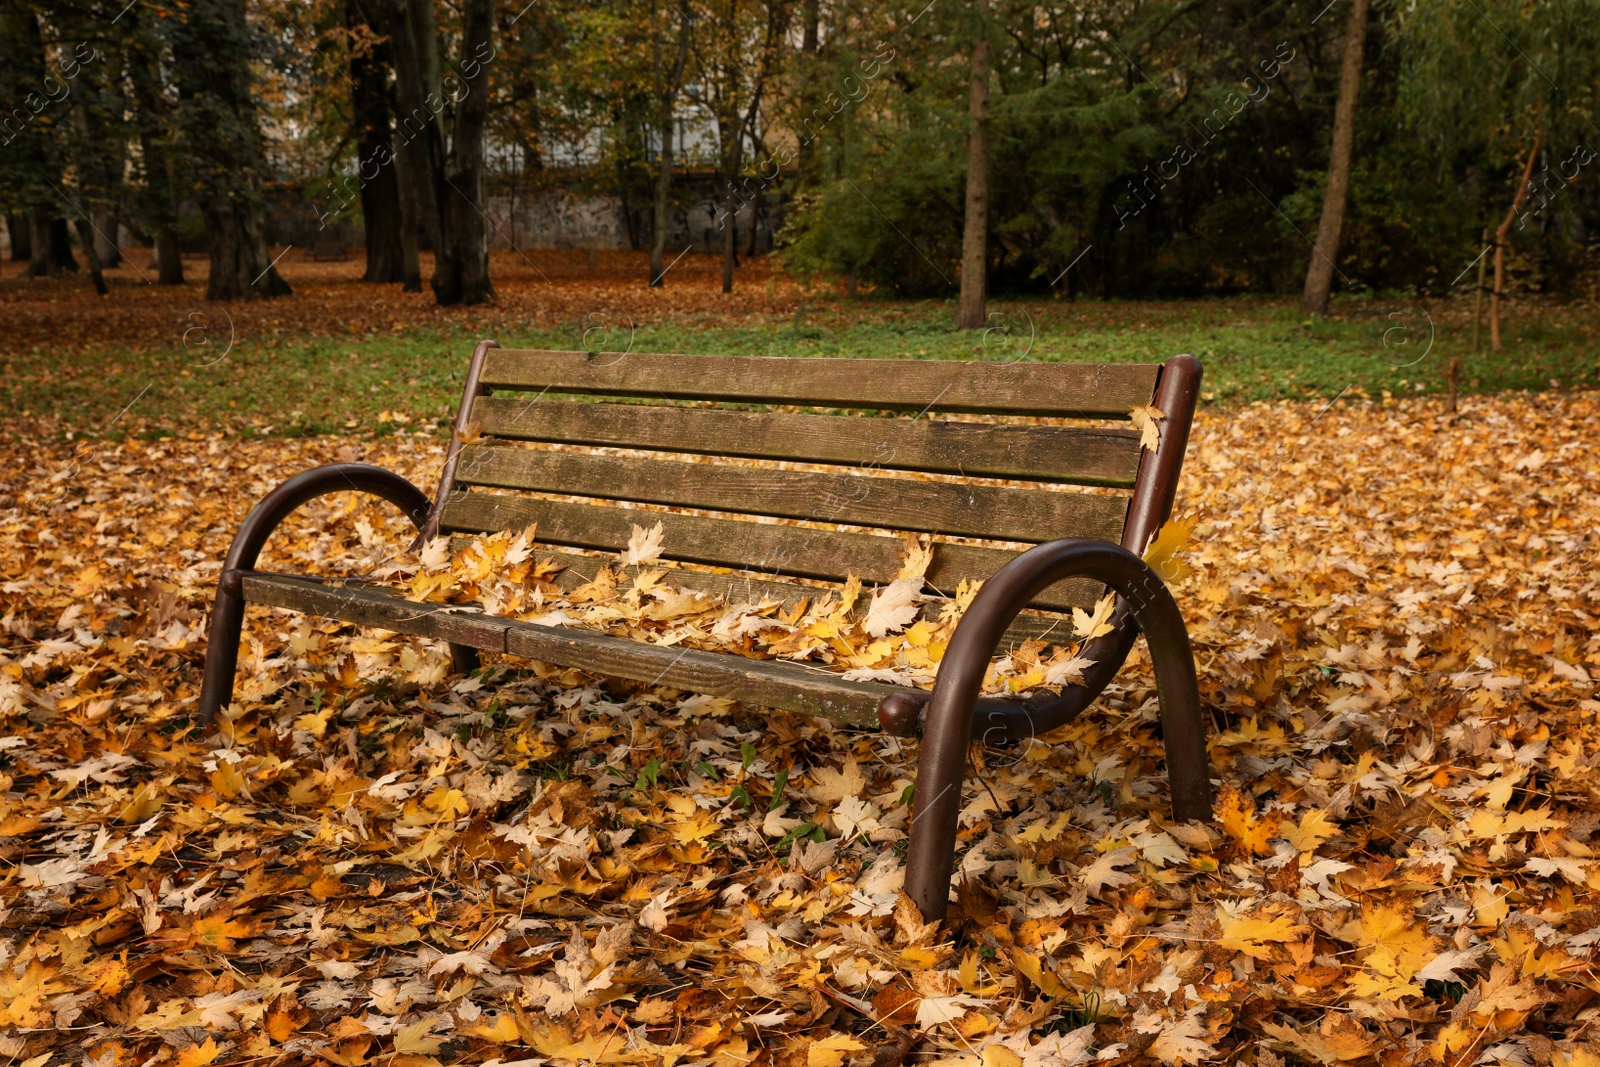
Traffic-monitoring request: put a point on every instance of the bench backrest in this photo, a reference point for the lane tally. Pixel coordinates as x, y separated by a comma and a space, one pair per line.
812, 468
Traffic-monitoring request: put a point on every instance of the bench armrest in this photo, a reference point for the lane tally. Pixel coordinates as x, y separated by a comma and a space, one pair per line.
277, 505
227, 613
954, 708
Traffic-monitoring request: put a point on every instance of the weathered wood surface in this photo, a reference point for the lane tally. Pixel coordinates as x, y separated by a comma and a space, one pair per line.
1078, 390
1079, 455
989, 511
765, 683
772, 548
367, 605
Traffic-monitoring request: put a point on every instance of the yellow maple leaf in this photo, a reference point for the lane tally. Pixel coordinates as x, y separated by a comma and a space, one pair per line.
449, 803
832, 1050
25, 995
1251, 934
199, 1055
502, 1029
1146, 419
1045, 831
1338, 1040
1239, 822
644, 546
970, 981
696, 827
1395, 926
1313, 829
281, 1025
591, 1048
1034, 970
914, 564
1172, 538
1089, 626
1502, 991
146, 801
416, 1038
218, 932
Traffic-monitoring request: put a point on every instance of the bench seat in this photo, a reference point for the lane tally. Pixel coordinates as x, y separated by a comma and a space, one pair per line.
808, 689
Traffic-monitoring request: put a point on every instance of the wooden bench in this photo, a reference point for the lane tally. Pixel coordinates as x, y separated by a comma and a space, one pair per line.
873, 440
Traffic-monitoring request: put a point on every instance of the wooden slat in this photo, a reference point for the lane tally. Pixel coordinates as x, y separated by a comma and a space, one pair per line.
765, 683
1054, 453
829, 555
988, 511
1100, 390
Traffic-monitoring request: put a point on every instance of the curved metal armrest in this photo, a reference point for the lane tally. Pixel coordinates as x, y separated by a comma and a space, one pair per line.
954, 706
277, 505
227, 614
1012, 719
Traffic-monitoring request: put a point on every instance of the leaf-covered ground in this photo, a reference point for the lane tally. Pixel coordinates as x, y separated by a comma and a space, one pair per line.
378, 862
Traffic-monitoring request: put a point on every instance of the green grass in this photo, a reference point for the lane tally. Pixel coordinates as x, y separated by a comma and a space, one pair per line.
1253, 349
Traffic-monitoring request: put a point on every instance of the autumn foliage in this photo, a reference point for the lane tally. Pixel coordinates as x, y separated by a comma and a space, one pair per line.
378, 862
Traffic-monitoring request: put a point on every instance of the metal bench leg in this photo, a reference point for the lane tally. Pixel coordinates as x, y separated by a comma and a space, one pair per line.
227, 613
947, 730
222, 654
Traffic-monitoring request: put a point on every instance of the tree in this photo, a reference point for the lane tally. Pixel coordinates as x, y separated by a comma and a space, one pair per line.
1319, 275
461, 265
738, 49
1493, 83
212, 47
391, 245
31, 138
668, 82
445, 177
153, 122
970, 311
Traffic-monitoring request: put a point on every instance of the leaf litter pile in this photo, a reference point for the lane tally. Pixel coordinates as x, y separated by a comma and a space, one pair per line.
376, 861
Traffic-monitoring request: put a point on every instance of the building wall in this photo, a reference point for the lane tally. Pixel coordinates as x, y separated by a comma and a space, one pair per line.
559, 219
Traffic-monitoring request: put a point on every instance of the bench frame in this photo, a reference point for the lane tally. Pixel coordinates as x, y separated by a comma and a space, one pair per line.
949, 719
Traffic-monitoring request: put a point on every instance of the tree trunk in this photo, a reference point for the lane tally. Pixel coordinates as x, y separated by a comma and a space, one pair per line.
51, 245
667, 85
230, 267
1319, 276
1501, 235
91, 255
410, 212
375, 166
105, 232
461, 263
21, 239
240, 265
39, 259
975, 232
222, 150
730, 234
413, 178
663, 195
169, 255
61, 258
755, 223
418, 133
159, 200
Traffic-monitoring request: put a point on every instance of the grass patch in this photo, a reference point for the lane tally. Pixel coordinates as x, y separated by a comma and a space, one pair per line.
1253, 349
